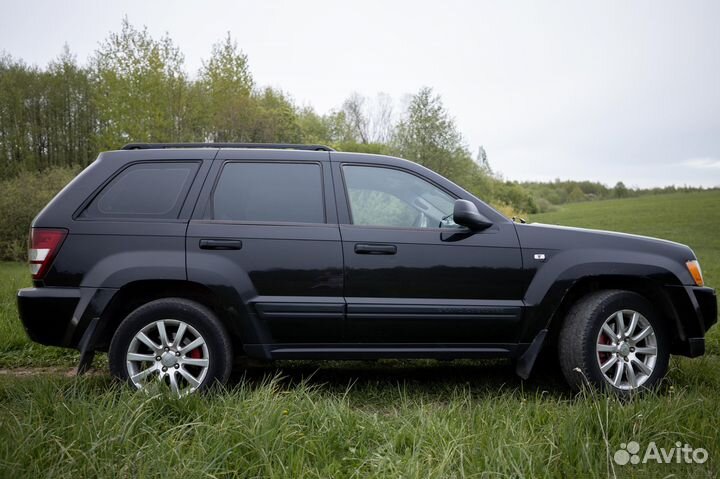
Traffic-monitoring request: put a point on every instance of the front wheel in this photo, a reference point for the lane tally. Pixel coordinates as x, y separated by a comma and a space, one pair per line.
173, 344
613, 340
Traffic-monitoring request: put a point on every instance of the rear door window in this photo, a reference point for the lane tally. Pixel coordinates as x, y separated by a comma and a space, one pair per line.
269, 192
144, 190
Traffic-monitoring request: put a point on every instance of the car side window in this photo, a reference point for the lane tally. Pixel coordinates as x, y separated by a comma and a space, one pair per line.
389, 197
144, 190
269, 192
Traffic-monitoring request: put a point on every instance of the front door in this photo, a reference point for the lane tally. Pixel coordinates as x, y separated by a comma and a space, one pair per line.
268, 234
412, 276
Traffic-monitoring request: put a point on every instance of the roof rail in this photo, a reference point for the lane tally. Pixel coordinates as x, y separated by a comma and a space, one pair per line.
270, 146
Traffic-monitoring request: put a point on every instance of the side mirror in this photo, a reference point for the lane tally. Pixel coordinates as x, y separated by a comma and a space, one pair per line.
465, 213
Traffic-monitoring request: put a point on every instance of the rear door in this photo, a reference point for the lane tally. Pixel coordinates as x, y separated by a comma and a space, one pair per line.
266, 227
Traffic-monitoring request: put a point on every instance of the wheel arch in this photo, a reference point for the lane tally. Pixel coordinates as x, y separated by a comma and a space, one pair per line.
136, 293
645, 287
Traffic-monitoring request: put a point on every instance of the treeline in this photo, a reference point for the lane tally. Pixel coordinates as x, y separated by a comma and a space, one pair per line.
548, 196
135, 88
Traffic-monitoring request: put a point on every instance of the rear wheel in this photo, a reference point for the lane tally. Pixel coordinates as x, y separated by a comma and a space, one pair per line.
613, 340
172, 344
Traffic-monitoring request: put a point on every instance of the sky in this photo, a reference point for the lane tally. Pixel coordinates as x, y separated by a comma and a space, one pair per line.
612, 90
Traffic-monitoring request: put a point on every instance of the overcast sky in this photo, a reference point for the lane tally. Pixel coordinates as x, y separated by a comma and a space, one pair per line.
606, 90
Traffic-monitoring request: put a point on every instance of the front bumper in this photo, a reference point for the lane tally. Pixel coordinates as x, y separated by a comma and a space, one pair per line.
47, 314
696, 312
706, 305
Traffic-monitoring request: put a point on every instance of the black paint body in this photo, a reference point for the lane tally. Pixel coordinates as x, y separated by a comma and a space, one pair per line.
292, 290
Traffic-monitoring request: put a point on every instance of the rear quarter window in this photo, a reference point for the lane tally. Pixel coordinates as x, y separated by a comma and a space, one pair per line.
144, 190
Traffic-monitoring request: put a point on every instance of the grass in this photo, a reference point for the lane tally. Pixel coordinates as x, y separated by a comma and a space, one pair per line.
356, 419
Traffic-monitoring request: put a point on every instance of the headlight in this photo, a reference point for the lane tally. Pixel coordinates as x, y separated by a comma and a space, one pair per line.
695, 271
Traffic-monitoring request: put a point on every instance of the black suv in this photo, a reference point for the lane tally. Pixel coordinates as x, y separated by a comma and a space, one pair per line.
174, 258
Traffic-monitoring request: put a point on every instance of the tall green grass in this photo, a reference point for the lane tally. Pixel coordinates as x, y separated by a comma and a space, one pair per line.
265, 426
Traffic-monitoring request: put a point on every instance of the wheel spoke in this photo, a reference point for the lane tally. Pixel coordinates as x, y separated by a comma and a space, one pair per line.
620, 323
609, 364
619, 374
142, 337
140, 357
143, 374
195, 362
179, 335
173, 383
643, 334
630, 372
633, 324
646, 350
189, 377
608, 330
606, 348
192, 345
642, 366
163, 333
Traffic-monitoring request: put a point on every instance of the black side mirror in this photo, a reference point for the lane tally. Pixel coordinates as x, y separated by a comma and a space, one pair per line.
465, 213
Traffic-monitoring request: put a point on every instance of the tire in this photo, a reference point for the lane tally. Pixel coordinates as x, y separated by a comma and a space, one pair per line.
201, 358
589, 354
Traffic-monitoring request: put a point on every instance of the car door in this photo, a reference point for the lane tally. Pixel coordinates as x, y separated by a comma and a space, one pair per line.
411, 275
267, 231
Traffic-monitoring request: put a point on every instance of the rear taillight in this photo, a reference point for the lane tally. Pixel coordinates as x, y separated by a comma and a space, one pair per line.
44, 245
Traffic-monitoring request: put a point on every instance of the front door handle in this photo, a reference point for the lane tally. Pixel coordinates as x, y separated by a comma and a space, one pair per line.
220, 244
374, 248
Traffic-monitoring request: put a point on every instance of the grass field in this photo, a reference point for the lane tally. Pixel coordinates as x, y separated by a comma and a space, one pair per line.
353, 419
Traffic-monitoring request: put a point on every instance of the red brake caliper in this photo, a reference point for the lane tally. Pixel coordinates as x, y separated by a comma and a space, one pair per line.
604, 356
196, 353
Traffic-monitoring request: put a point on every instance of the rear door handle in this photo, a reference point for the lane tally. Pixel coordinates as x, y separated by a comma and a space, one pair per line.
372, 248
220, 244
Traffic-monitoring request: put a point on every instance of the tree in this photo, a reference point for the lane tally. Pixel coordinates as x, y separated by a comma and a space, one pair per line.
355, 112
273, 118
366, 120
429, 136
18, 95
620, 190
47, 117
314, 128
71, 113
141, 89
482, 160
227, 84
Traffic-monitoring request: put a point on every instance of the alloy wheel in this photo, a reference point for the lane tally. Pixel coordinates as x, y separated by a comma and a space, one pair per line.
626, 349
169, 353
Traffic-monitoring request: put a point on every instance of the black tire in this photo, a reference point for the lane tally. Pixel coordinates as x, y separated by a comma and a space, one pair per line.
578, 341
195, 315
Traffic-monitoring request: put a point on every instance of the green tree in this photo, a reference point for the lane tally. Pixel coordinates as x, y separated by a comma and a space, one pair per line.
18, 97
273, 118
71, 113
314, 128
47, 117
227, 85
429, 136
141, 90
620, 190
